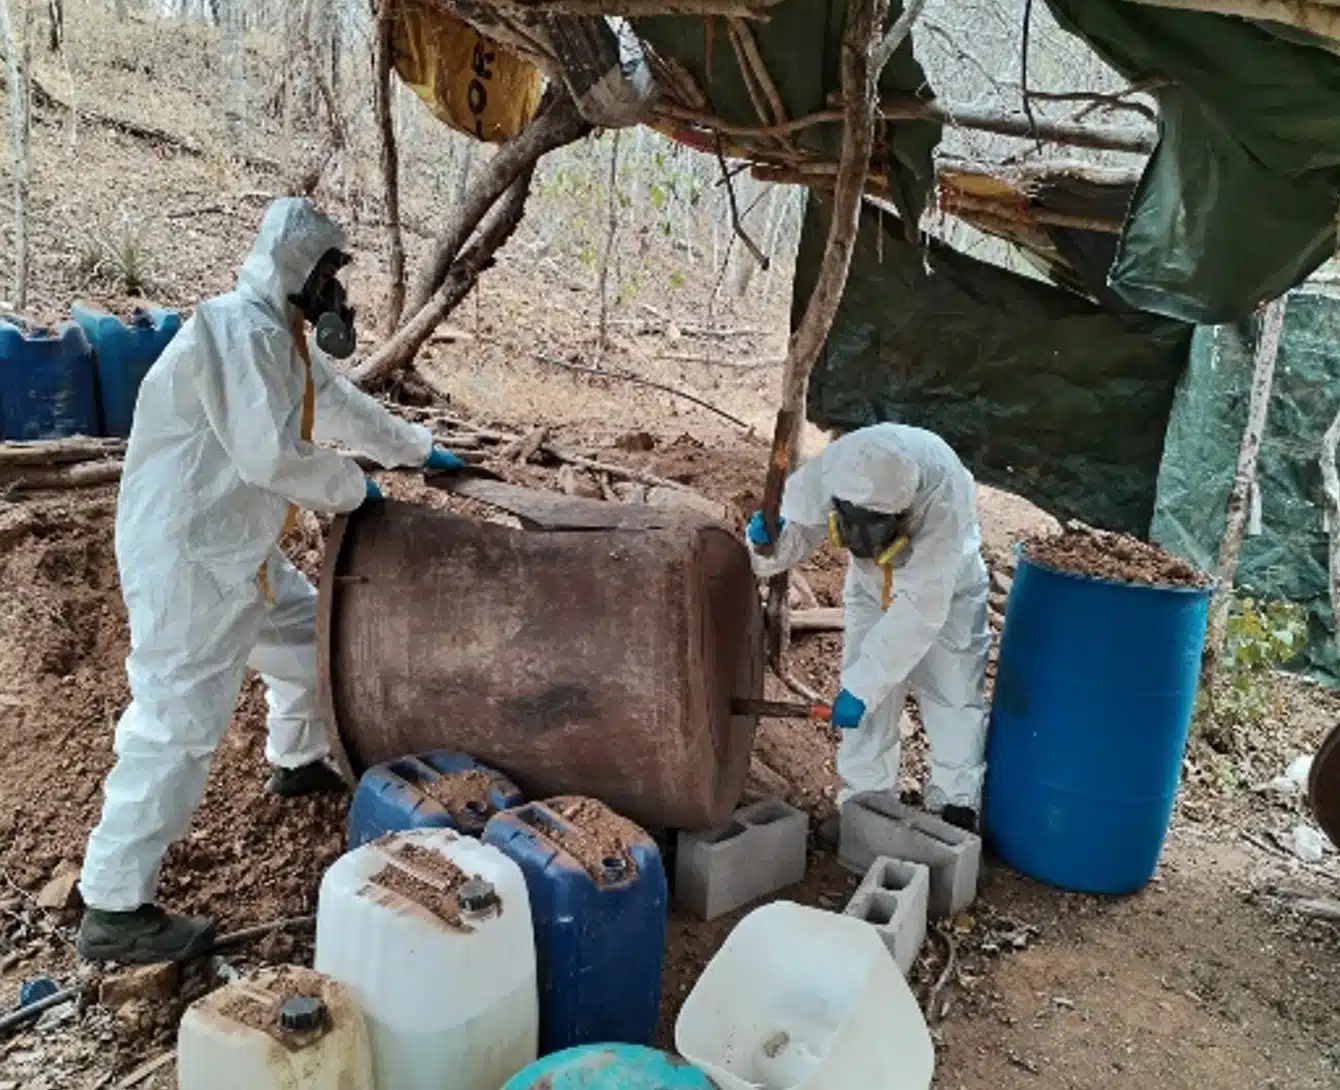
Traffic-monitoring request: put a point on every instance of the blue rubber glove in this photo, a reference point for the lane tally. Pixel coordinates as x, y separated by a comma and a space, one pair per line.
757, 530
848, 711
442, 459
374, 493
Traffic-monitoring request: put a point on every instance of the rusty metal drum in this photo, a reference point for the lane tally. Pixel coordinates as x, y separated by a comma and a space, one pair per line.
1323, 785
599, 662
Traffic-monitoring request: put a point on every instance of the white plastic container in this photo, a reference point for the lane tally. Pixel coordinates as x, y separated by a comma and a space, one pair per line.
285, 1029
432, 931
805, 999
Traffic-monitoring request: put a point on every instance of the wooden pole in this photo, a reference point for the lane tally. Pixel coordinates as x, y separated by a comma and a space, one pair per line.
390, 163
1240, 495
865, 23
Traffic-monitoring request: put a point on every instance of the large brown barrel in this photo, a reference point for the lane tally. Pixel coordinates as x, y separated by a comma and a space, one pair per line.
597, 662
1323, 785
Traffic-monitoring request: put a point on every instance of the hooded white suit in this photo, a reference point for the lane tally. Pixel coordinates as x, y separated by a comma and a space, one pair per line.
215, 459
933, 638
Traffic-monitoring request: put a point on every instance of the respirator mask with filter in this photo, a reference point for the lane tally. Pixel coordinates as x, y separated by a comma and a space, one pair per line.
324, 302
866, 534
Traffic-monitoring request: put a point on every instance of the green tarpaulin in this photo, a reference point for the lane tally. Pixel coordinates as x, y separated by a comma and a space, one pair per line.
1041, 392
1238, 202
1288, 558
800, 45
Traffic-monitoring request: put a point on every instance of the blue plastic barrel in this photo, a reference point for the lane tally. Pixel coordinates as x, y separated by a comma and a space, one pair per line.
599, 938
1095, 689
124, 352
610, 1067
47, 385
412, 793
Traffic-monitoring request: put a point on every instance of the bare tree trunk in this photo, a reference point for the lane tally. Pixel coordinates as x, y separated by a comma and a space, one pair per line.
337, 130
381, 87
1330, 481
611, 234
1240, 495
754, 211
232, 18
463, 175
464, 273
56, 25
556, 123
15, 34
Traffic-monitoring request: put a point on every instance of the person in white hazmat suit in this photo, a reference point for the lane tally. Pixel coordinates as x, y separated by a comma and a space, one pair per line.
221, 456
902, 504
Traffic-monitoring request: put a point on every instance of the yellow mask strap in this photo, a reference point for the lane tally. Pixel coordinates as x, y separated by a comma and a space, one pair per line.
833, 535
886, 557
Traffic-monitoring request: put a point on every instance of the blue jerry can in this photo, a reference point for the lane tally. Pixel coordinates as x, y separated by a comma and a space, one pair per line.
441, 789
598, 898
610, 1067
124, 352
47, 387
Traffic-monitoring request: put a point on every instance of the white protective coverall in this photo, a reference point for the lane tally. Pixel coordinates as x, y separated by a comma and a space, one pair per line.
933, 638
214, 460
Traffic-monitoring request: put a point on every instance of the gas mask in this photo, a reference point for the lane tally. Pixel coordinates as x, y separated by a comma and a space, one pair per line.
325, 304
866, 534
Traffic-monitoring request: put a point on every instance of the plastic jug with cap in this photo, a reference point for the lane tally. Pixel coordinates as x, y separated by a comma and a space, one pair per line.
285, 1029
124, 353
598, 900
432, 931
802, 999
47, 385
441, 789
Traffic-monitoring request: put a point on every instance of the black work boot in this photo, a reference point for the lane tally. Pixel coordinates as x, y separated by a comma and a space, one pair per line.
317, 778
143, 936
961, 817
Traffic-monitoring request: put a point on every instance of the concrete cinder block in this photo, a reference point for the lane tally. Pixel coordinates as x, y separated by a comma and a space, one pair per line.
893, 898
759, 851
877, 824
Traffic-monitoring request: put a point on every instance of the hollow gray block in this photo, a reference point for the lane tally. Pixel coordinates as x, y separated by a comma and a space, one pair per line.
759, 851
876, 824
893, 898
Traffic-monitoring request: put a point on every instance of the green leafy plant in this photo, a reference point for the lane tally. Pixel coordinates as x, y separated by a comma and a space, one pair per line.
117, 253
1261, 637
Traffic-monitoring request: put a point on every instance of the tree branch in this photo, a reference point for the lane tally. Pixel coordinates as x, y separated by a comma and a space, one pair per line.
737, 222
401, 349
1239, 497
638, 380
390, 163
1099, 137
897, 34
555, 124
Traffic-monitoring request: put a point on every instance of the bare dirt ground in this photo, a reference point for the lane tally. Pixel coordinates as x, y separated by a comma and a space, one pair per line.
1203, 979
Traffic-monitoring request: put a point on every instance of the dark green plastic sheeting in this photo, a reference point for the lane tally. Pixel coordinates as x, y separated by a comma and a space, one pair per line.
801, 47
1041, 392
1238, 202
1288, 559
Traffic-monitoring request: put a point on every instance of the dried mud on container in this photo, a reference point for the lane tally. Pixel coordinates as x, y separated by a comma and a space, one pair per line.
596, 835
1118, 557
465, 795
436, 892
